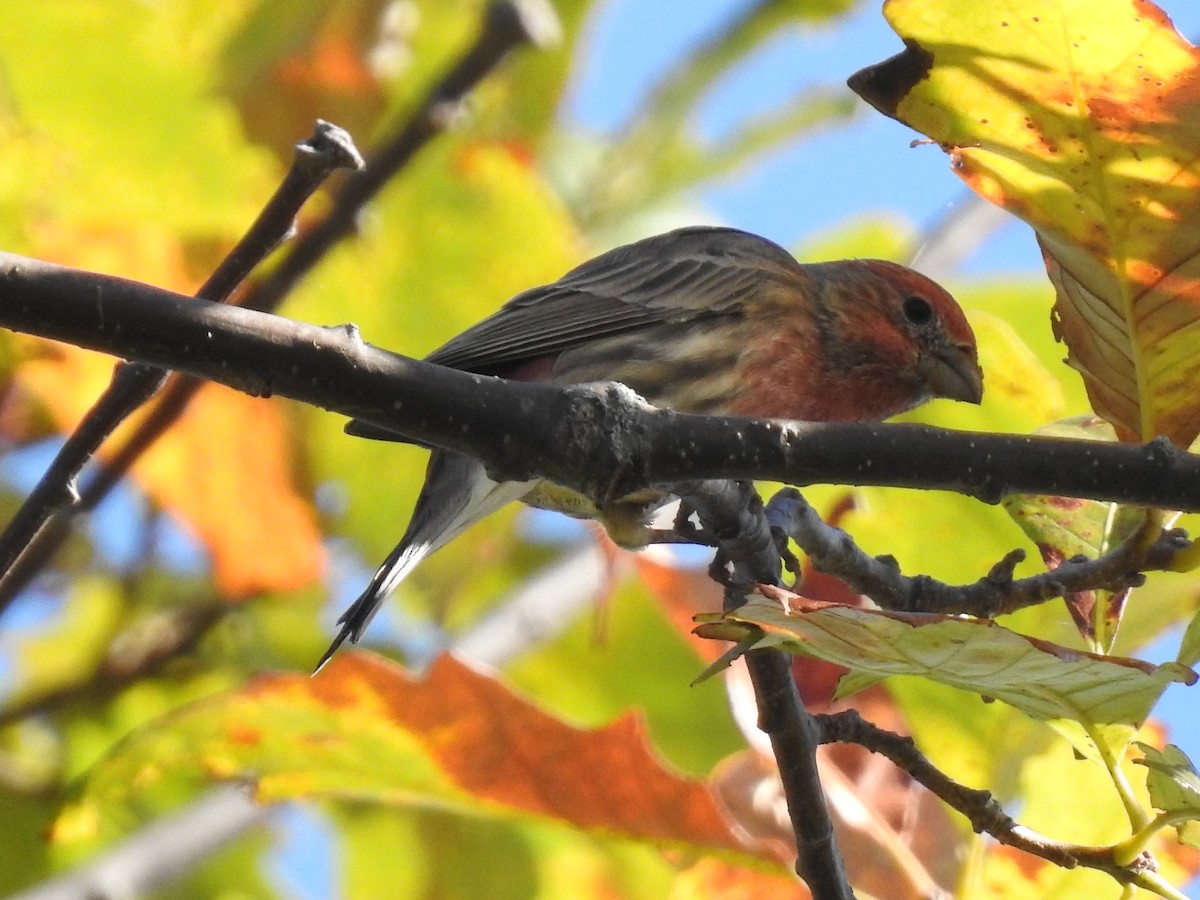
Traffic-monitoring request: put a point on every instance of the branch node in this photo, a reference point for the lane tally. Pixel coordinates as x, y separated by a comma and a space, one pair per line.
1001, 574
329, 147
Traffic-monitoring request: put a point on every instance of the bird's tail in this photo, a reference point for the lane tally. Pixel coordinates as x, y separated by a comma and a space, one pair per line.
457, 494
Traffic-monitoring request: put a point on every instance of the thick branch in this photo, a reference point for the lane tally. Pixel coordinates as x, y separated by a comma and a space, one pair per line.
600, 441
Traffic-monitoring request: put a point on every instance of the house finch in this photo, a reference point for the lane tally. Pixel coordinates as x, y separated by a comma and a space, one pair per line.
701, 320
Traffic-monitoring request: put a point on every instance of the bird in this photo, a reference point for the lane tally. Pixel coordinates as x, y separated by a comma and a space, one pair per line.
703, 319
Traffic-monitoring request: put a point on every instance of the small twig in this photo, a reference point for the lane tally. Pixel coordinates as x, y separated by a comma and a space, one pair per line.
134, 653
506, 25
944, 246
833, 551
980, 808
133, 383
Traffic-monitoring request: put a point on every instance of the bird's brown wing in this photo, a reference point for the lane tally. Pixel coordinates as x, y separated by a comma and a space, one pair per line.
678, 275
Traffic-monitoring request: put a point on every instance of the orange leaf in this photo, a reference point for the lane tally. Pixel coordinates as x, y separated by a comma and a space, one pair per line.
223, 470
499, 748
1083, 119
367, 730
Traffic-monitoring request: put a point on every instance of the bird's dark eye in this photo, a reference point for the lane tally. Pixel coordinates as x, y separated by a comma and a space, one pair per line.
917, 310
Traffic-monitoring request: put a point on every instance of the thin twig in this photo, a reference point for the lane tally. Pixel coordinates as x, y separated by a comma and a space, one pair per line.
133, 383
949, 242
981, 809
506, 25
833, 551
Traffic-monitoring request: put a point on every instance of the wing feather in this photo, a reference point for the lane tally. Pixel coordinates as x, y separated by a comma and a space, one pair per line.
678, 275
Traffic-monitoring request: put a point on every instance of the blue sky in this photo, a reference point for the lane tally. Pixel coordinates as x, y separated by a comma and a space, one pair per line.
801, 190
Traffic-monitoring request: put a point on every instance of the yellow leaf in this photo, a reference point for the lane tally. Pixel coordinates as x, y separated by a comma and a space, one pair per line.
1082, 119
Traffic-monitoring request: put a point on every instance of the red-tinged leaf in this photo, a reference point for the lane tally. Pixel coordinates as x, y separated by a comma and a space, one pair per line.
1066, 527
1082, 119
366, 730
1085, 697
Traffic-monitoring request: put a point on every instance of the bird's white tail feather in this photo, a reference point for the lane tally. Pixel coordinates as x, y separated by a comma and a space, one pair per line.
456, 495
485, 498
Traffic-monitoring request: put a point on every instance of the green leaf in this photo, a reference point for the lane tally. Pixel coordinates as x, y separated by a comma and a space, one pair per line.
365, 731
1096, 702
1081, 119
1174, 786
1066, 527
115, 110
1189, 647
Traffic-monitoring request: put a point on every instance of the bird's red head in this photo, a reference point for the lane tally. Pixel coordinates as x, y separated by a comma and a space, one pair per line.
857, 340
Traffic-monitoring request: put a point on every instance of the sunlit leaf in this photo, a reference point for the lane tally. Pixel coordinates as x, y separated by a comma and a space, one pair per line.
540, 859
1085, 697
365, 730
715, 879
110, 120
1010, 874
1081, 119
66, 651
1174, 787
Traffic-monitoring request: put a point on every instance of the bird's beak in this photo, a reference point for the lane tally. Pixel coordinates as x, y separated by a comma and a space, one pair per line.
953, 373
